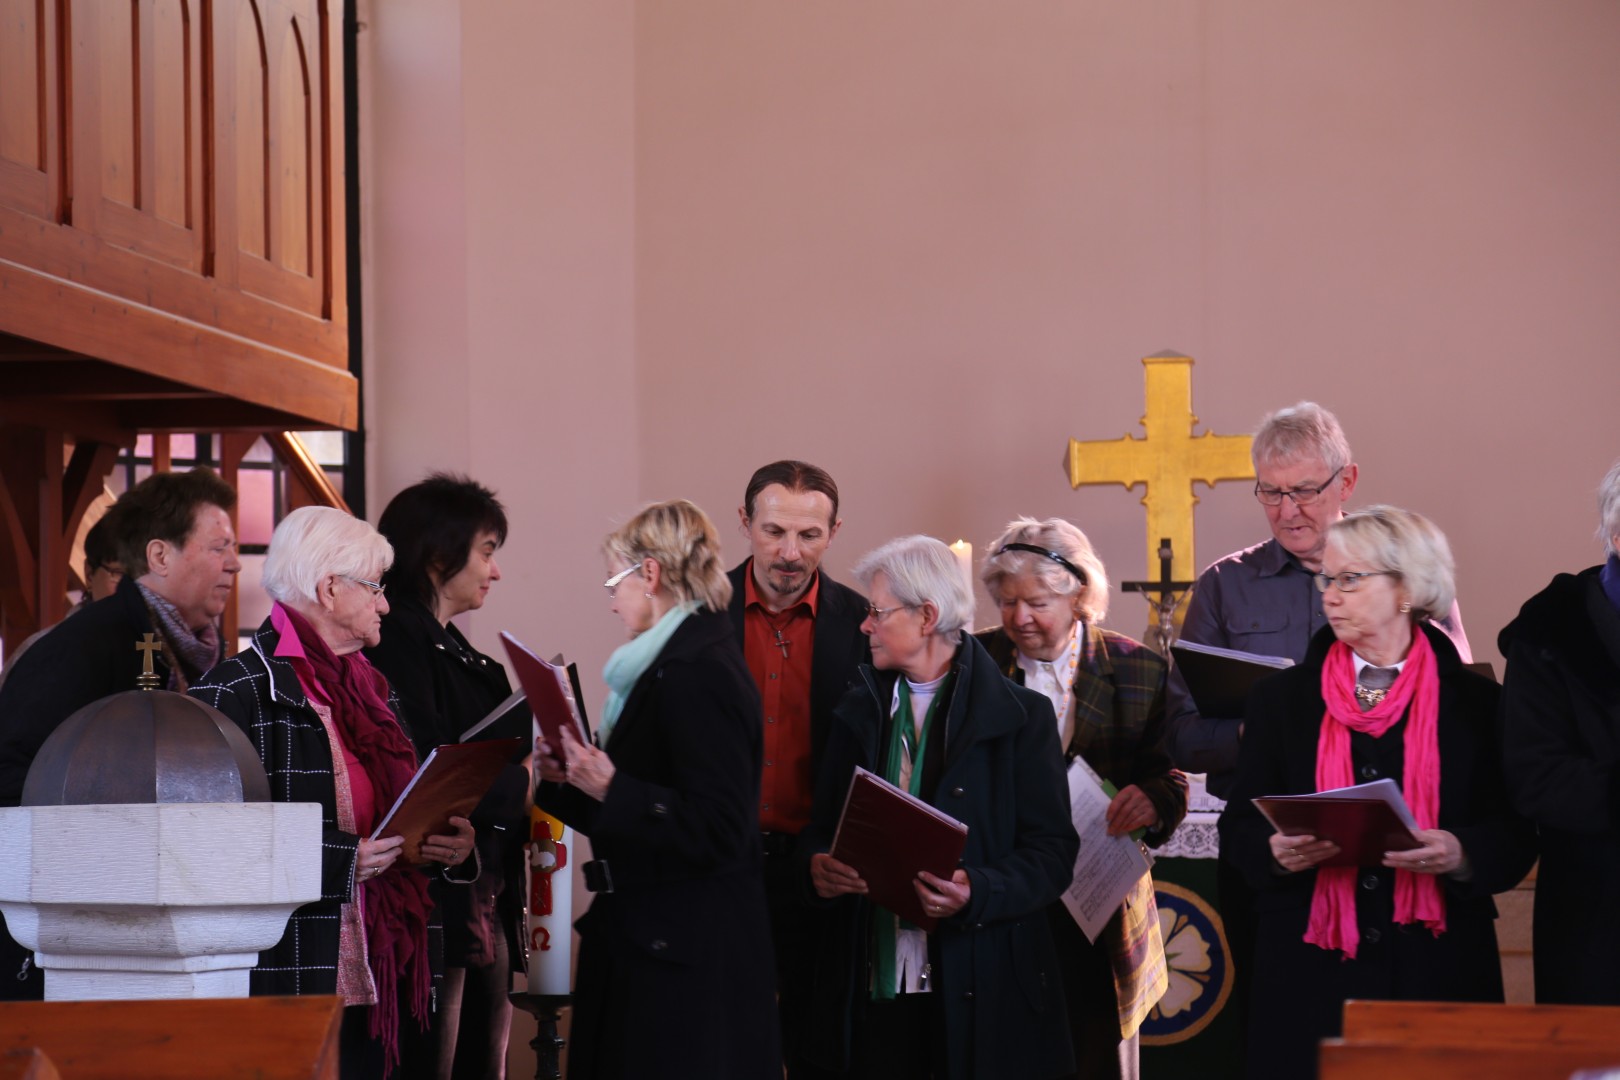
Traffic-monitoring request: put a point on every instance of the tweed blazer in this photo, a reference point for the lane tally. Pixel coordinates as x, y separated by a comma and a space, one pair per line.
1119, 718
262, 695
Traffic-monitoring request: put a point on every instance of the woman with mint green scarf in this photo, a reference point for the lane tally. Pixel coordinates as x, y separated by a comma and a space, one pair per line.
675, 974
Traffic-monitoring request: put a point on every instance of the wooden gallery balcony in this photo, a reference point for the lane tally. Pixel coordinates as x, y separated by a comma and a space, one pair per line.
172, 245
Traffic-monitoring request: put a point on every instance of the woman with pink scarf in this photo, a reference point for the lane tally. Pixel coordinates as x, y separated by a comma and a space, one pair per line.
1381, 694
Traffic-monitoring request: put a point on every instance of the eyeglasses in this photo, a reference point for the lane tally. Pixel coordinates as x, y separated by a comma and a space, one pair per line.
613, 582
1349, 581
1302, 496
876, 613
377, 588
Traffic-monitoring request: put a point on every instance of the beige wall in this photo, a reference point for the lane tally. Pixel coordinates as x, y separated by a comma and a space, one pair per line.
618, 252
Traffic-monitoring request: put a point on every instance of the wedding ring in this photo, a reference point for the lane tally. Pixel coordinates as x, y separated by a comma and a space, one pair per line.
1423, 862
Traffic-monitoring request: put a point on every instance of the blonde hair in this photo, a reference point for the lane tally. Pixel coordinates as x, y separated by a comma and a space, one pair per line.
681, 539
1406, 544
1089, 596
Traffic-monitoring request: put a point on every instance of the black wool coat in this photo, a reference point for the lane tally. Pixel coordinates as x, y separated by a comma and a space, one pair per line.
675, 975
995, 969
1300, 989
82, 659
1561, 725
444, 686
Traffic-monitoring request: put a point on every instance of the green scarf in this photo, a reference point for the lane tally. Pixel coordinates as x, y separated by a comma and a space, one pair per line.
632, 659
903, 739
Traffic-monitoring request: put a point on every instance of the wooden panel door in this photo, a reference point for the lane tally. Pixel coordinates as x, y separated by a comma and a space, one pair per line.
30, 123
138, 135
277, 143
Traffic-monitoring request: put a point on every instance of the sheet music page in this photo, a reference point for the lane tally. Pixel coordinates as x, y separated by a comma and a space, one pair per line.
1107, 866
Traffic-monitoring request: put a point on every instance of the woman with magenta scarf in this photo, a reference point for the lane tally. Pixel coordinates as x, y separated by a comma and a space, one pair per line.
324, 724
676, 976
1381, 693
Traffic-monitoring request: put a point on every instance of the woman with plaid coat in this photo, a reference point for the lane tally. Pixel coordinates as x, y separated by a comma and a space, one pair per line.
1108, 693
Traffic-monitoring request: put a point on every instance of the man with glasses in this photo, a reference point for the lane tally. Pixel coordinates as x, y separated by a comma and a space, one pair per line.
1262, 600
1265, 600
801, 636
175, 539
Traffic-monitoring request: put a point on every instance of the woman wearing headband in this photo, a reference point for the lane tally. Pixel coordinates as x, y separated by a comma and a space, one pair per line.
1108, 693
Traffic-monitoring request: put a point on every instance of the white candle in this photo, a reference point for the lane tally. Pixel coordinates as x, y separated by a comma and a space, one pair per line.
964, 556
549, 906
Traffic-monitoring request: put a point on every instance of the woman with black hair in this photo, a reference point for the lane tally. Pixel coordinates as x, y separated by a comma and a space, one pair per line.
446, 531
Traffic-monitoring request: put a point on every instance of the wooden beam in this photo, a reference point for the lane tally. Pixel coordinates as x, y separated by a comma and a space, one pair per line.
306, 471
83, 320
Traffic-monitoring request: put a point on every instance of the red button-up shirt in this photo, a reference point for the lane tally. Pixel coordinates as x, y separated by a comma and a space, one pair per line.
778, 648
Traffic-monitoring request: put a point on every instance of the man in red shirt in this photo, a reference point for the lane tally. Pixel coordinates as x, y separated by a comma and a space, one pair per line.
801, 637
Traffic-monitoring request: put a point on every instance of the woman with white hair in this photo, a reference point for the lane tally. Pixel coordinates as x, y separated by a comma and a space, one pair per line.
1561, 722
325, 725
1381, 694
1108, 693
981, 994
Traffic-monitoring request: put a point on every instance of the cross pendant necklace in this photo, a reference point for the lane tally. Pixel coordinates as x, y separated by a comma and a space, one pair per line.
781, 643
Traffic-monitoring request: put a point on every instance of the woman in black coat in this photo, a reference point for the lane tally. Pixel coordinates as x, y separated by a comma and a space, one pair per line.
1419, 926
980, 995
445, 532
675, 975
1561, 721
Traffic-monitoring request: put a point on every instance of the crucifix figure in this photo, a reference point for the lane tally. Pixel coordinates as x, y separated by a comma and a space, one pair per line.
1168, 460
149, 646
1164, 597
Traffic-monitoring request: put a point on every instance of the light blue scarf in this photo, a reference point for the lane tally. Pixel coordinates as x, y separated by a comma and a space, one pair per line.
632, 659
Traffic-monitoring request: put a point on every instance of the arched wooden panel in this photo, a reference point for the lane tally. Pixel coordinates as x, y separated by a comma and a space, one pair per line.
251, 131
291, 270
294, 145
27, 105
139, 136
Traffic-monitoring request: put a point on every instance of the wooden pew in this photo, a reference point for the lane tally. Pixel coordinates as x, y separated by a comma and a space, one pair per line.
1456, 1023
268, 1038
1343, 1060
31, 1064
1385, 1040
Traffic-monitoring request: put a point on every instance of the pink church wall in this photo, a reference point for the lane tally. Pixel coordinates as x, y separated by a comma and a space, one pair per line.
923, 244
618, 252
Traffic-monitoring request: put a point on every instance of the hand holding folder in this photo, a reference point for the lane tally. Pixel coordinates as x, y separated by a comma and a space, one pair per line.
1365, 821
889, 837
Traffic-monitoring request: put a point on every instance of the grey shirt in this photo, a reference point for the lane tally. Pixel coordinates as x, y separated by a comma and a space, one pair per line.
1260, 600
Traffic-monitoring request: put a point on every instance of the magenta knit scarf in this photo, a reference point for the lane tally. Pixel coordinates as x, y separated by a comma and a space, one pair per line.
1417, 896
395, 905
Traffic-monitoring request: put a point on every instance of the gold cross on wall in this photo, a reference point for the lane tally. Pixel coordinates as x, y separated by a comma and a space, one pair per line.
1168, 460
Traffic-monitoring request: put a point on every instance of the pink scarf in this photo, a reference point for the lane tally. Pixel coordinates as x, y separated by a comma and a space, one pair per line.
396, 906
1417, 896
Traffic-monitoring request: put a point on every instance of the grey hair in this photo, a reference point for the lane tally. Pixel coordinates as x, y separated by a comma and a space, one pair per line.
922, 570
1609, 509
1405, 543
1090, 598
316, 541
1299, 433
